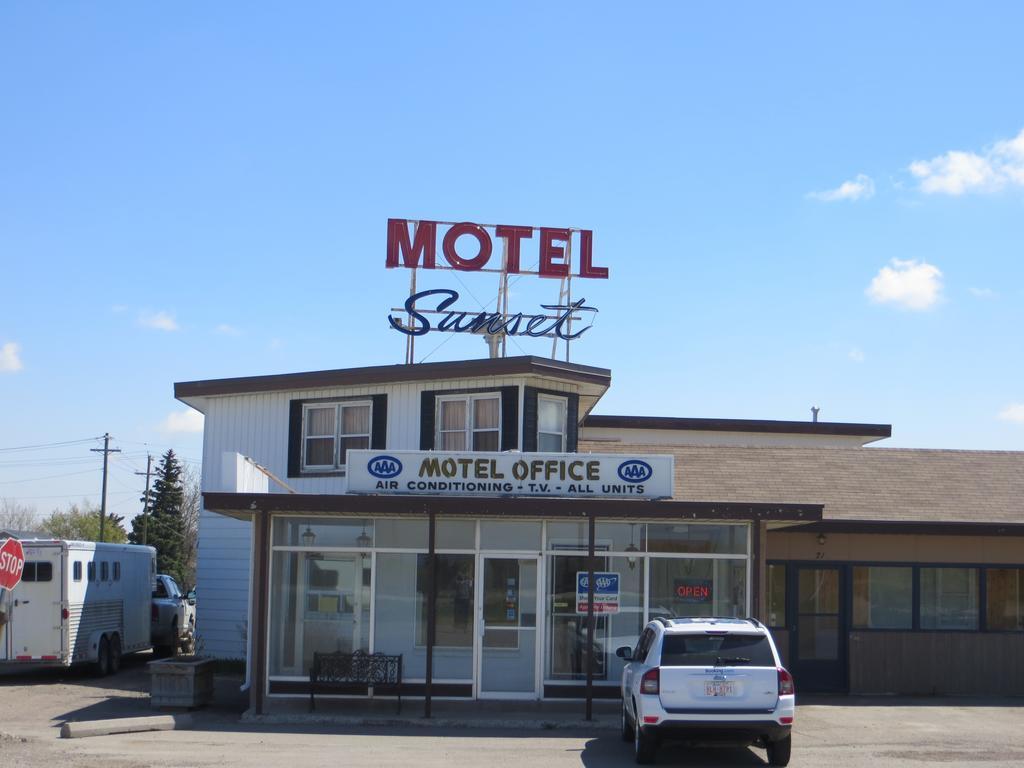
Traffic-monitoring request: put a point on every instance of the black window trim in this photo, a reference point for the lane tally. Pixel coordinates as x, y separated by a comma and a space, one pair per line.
296, 442
509, 405
531, 420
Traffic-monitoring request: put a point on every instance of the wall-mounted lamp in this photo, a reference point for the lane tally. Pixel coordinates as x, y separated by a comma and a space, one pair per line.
362, 540
308, 537
821, 539
631, 548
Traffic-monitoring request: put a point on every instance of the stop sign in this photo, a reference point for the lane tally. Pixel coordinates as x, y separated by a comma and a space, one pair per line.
12, 561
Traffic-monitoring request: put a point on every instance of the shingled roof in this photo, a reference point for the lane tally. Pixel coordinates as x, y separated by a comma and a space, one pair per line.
854, 484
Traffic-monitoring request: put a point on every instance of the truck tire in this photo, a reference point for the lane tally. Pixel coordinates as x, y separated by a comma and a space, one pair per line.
102, 667
114, 663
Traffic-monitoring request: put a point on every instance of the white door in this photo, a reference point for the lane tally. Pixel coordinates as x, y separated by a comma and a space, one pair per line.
35, 604
507, 640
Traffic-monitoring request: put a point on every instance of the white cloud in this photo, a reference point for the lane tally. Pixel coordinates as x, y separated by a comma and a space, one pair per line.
982, 293
857, 355
10, 357
161, 321
957, 172
860, 188
183, 421
908, 284
227, 330
1013, 412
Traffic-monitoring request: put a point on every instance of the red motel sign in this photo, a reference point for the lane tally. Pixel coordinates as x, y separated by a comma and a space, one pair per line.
418, 248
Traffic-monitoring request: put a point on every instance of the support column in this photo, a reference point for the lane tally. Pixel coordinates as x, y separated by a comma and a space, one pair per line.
590, 616
759, 569
258, 610
431, 610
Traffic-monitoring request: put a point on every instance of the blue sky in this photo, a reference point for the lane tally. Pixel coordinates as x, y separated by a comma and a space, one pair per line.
799, 204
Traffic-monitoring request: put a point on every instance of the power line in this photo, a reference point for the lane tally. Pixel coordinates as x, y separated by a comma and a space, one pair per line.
47, 477
42, 446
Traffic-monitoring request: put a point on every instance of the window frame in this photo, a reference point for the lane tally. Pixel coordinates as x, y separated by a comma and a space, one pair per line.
76, 570
338, 436
470, 429
848, 565
564, 434
104, 570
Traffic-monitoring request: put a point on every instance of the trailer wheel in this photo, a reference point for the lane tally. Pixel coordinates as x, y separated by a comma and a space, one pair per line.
103, 657
115, 654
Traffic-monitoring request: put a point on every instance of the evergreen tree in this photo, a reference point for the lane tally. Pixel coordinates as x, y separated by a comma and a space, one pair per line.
165, 529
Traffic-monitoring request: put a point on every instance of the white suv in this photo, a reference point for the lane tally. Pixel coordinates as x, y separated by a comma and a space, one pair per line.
706, 679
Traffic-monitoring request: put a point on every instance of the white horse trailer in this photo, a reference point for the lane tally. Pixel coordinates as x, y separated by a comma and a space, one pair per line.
78, 602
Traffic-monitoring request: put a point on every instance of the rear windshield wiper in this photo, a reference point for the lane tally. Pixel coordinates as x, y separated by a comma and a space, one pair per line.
721, 661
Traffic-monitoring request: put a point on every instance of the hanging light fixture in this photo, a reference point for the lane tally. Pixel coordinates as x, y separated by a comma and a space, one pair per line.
631, 559
308, 537
362, 540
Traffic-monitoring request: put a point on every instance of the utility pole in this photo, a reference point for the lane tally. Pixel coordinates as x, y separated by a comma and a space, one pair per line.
106, 450
145, 499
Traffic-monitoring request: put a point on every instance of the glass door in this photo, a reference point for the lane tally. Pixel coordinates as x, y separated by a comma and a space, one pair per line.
507, 627
817, 642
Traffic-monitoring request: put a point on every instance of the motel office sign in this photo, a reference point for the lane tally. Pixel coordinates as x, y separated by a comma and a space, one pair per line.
569, 475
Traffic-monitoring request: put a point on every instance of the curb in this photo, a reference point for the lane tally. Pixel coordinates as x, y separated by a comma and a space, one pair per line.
434, 722
77, 730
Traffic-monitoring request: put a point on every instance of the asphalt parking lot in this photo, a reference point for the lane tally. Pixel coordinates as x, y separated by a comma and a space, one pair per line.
850, 732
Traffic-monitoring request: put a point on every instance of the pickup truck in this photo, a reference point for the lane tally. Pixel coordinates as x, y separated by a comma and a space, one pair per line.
172, 618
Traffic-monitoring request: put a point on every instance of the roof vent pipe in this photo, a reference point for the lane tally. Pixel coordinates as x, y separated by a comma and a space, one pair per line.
814, 413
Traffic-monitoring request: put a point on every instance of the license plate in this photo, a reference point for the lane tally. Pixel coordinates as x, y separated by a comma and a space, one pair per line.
719, 688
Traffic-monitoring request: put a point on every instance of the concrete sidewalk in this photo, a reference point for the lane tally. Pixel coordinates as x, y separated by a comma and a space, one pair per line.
524, 715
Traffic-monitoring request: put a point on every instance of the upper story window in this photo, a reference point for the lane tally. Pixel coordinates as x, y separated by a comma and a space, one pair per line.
331, 429
551, 423
469, 422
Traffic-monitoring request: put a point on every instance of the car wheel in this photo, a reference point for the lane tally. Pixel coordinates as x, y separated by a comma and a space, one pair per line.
114, 662
644, 745
778, 751
103, 657
627, 727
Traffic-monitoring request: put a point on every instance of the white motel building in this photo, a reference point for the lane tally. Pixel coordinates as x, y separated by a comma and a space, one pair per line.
333, 500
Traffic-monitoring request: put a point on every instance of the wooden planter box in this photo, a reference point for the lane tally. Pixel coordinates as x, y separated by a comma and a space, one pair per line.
186, 681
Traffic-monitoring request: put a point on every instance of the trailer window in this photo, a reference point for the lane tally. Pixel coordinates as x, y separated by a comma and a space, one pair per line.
92, 571
104, 571
77, 570
37, 571
117, 570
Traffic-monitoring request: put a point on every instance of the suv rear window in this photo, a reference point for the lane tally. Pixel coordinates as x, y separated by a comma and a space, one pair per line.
708, 650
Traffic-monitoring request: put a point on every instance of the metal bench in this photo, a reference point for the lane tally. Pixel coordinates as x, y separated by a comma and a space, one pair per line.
335, 670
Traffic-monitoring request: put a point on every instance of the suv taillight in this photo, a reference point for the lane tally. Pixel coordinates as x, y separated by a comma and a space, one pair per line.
786, 687
651, 682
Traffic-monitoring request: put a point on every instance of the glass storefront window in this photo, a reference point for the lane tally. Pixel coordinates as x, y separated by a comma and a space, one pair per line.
319, 602
455, 534
608, 537
322, 532
1005, 599
400, 621
401, 533
697, 538
684, 587
453, 619
776, 595
949, 598
883, 597
567, 630
509, 535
